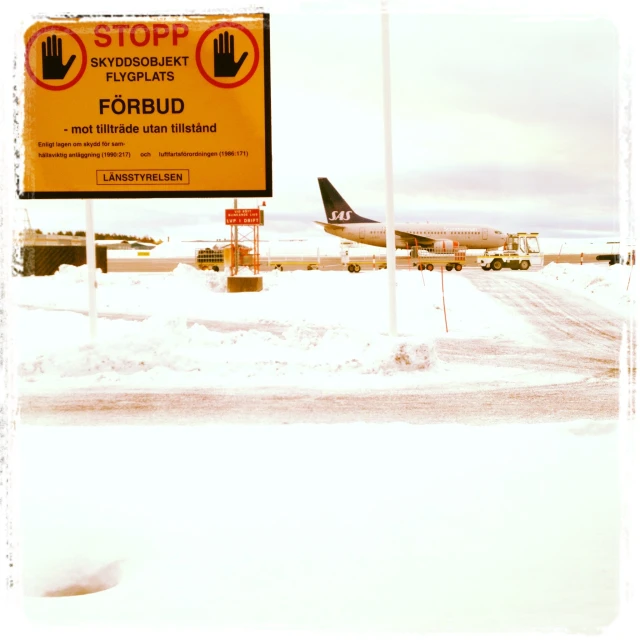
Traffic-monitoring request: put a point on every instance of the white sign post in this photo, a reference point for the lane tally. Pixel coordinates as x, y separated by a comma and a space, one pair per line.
388, 148
90, 247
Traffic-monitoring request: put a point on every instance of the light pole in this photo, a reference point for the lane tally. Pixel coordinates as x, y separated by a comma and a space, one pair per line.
390, 225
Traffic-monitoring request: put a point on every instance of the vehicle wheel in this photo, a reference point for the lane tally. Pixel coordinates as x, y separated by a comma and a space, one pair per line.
524, 265
383, 266
486, 267
449, 267
496, 265
351, 268
458, 267
309, 267
356, 268
420, 267
429, 267
216, 268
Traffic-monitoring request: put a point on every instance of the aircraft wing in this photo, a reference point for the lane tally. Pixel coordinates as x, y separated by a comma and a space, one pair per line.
326, 225
412, 238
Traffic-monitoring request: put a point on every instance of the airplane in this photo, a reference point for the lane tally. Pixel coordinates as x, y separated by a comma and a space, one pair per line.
344, 222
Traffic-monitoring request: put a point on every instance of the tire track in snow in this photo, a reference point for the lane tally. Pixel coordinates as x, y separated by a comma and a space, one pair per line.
580, 334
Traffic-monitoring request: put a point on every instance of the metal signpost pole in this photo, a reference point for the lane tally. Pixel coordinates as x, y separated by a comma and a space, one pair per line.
236, 247
90, 247
256, 248
390, 231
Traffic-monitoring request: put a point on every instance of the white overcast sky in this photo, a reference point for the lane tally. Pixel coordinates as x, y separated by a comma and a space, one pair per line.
509, 119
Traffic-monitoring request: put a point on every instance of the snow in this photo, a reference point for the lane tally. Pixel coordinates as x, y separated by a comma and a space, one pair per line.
609, 285
587, 245
351, 528
306, 530
305, 329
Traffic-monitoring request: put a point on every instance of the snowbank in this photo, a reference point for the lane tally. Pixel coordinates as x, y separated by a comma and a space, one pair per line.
304, 329
611, 286
165, 351
327, 329
328, 299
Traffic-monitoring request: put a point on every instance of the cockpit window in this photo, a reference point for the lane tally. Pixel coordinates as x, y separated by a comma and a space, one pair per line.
498, 232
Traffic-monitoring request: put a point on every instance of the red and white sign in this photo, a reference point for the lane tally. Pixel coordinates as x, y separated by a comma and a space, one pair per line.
243, 216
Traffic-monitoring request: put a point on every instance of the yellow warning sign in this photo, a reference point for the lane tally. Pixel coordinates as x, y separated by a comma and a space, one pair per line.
147, 107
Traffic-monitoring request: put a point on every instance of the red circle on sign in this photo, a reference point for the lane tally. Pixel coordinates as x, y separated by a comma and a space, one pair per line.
256, 52
30, 71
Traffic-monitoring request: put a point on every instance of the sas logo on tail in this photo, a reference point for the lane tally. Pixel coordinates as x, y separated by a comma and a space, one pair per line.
343, 216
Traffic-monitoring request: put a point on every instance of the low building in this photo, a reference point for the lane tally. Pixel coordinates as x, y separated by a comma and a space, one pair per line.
43, 254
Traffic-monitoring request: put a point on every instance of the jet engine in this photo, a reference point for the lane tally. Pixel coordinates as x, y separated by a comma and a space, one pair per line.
445, 246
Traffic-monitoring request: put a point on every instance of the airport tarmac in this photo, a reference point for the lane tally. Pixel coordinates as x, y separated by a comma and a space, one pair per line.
159, 265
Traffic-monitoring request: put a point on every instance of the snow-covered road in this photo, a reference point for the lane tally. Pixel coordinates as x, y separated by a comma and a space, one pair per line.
576, 333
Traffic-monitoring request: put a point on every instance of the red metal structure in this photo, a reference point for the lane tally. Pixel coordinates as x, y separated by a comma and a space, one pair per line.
245, 244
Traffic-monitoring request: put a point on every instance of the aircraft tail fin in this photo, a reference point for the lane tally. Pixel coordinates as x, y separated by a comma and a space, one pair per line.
336, 207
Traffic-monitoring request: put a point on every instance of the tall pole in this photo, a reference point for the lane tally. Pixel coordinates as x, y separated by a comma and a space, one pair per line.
235, 247
90, 247
390, 224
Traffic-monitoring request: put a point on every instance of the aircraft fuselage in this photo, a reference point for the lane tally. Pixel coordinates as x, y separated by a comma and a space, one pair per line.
375, 234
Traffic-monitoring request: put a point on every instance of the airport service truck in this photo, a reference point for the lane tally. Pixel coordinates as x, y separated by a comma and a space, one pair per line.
520, 251
444, 252
214, 259
210, 259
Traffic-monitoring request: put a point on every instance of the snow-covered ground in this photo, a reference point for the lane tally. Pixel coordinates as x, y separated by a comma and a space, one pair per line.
611, 286
305, 329
306, 530
330, 528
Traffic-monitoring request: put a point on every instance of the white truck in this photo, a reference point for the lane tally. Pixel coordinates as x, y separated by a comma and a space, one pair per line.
520, 251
